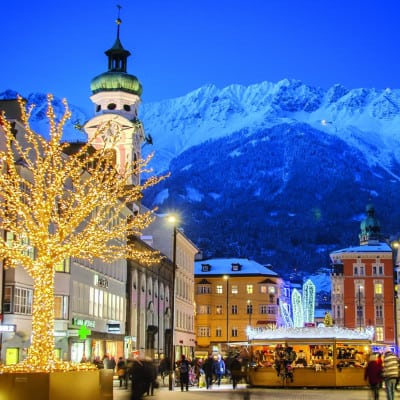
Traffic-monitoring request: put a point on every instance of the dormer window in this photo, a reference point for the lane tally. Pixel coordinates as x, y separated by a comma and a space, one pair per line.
205, 267
236, 267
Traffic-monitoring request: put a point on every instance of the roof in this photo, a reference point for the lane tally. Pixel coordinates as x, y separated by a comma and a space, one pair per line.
380, 247
222, 266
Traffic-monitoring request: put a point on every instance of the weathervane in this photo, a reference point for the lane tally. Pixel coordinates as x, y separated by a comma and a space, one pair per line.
118, 21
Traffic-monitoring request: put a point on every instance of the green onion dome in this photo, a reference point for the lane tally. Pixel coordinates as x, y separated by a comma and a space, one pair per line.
113, 80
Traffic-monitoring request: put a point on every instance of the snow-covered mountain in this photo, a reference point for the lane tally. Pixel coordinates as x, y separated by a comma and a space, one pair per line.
367, 119
279, 172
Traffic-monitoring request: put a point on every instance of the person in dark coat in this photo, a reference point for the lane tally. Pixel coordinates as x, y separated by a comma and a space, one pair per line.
236, 371
184, 368
208, 368
140, 379
373, 374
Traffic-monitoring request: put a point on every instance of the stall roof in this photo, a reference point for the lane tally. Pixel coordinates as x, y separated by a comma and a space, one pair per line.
331, 332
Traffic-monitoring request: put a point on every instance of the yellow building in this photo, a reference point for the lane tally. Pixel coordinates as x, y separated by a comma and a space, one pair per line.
231, 295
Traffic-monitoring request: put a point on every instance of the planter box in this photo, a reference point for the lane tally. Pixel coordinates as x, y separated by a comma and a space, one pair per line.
77, 385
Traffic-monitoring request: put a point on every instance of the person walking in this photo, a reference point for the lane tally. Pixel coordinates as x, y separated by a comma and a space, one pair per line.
184, 367
121, 372
208, 368
236, 369
390, 373
373, 374
219, 369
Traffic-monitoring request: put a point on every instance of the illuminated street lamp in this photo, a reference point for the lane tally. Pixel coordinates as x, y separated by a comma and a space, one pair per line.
172, 220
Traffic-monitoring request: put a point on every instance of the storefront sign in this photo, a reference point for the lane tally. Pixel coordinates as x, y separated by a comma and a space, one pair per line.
7, 328
86, 322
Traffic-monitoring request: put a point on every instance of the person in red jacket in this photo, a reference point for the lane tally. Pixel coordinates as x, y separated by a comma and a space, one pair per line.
373, 374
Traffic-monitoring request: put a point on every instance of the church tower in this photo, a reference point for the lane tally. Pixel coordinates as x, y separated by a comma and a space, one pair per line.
116, 97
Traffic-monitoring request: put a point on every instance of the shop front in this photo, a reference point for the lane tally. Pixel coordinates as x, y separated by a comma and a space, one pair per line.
309, 357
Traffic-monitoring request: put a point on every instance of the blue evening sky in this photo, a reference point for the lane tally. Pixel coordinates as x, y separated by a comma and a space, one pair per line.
179, 45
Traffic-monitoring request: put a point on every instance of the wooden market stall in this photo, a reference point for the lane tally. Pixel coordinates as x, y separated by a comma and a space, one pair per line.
317, 357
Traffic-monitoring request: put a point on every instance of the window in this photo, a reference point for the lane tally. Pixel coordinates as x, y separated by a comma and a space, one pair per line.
271, 289
61, 307
379, 312
204, 309
234, 289
203, 331
218, 309
23, 301
263, 289
234, 309
7, 304
263, 309
249, 309
236, 267
249, 289
203, 289
218, 332
63, 266
355, 271
219, 289
379, 333
271, 310
378, 288
205, 267
234, 332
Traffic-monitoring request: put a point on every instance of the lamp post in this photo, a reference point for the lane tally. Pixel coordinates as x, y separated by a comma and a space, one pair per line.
249, 311
226, 277
360, 314
172, 220
395, 248
344, 316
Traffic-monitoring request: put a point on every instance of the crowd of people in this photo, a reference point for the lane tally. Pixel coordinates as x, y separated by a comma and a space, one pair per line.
143, 374
383, 369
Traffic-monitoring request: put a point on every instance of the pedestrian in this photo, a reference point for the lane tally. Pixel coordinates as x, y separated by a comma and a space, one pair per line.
390, 373
208, 368
236, 371
139, 379
184, 367
373, 374
219, 369
121, 372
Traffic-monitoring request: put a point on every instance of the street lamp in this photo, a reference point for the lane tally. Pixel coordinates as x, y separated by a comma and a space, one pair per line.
344, 316
226, 277
172, 220
249, 311
360, 313
395, 248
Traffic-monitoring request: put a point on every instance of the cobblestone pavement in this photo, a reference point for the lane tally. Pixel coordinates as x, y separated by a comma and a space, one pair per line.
225, 392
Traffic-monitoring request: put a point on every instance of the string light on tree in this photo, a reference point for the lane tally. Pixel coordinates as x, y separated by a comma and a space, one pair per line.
63, 206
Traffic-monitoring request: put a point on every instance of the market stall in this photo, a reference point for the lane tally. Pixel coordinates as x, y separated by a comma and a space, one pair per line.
318, 357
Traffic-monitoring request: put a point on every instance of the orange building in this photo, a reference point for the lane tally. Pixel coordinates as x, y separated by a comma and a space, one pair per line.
362, 284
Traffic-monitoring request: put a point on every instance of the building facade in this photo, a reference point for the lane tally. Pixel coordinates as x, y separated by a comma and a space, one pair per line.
363, 286
230, 296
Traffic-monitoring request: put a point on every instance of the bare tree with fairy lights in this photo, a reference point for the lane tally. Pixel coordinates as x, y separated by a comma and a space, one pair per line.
63, 206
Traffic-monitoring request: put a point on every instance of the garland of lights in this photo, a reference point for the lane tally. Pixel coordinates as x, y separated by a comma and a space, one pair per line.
308, 301
285, 312
63, 206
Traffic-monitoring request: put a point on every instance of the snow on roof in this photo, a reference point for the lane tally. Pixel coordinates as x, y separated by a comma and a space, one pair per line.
221, 266
332, 332
366, 248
